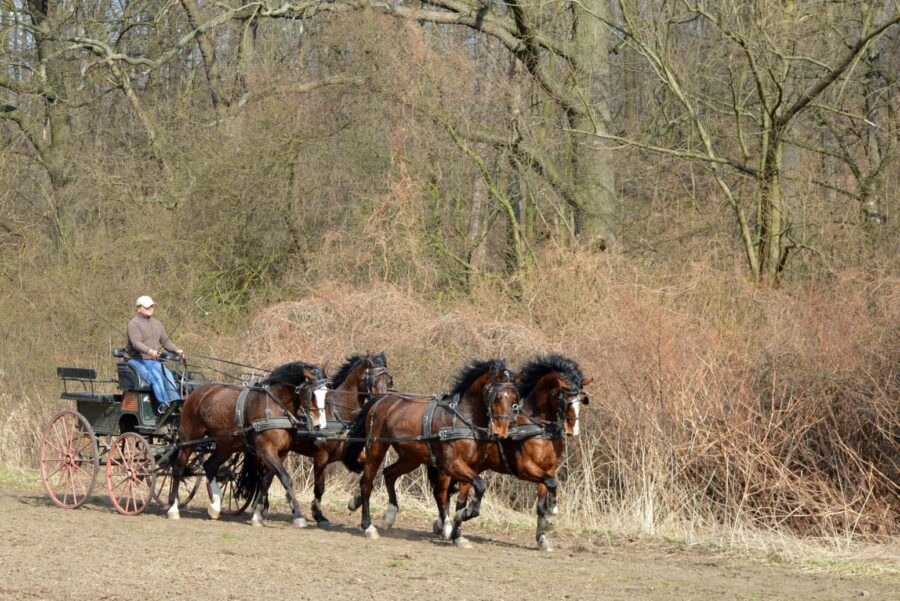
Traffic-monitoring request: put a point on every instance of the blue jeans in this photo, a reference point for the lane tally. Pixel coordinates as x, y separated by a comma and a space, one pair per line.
159, 377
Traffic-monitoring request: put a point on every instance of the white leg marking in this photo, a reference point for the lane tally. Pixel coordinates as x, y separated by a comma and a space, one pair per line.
215, 493
300, 523
372, 532
448, 527
173, 514
257, 519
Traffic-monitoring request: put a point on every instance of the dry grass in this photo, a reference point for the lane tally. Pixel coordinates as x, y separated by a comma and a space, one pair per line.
708, 415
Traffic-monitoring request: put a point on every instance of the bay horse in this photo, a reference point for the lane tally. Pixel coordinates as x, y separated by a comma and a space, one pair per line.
551, 389
450, 433
291, 397
355, 383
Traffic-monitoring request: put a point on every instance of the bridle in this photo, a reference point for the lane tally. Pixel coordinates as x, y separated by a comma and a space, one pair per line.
566, 398
371, 376
307, 390
494, 389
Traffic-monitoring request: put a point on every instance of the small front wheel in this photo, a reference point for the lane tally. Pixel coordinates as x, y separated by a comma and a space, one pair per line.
130, 474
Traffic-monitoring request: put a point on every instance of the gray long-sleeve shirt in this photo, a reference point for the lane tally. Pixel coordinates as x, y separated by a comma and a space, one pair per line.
146, 334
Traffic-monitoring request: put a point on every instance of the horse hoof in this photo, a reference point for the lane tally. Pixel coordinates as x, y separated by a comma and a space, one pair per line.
555, 510
372, 532
462, 542
324, 524
213, 512
300, 523
438, 527
173, 513
544, 544
256, 523
389, 517
353, 504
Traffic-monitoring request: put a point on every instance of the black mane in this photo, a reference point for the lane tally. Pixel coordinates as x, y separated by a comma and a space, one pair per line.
378, 360
291, 374
473, 371
345, 369
540, 366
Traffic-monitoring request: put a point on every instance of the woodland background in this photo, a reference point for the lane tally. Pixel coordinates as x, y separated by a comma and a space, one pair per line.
695, 200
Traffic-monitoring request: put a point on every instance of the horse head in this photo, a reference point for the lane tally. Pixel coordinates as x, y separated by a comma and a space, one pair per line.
553, 386
377, 377
493, 385
361, 376
306, 385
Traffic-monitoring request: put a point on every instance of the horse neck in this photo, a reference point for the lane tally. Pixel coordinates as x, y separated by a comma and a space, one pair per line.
283, 392
348, 398
473, 405
538, 402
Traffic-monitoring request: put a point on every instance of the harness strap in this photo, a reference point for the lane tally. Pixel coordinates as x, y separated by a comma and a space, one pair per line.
239, 415
427, 423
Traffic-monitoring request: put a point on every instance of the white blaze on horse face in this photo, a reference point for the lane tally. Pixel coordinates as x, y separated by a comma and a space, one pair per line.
576, 405
320, 405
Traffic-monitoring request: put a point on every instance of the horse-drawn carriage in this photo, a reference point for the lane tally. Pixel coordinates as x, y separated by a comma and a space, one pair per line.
238, 436
121, 432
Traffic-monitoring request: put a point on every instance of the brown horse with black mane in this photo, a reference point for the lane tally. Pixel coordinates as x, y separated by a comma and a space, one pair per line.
355, 383
262, 418
551, 389
451, 433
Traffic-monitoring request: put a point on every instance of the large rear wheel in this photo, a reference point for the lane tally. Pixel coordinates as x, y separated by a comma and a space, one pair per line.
130, 474
70, 459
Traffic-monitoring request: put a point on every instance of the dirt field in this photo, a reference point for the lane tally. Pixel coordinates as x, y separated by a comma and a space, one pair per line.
93, 553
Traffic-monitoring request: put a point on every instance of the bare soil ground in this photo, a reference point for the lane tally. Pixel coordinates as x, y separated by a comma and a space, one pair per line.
95, 554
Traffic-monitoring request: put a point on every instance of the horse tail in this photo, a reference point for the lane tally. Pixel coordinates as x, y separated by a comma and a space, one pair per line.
248, 479
357, 440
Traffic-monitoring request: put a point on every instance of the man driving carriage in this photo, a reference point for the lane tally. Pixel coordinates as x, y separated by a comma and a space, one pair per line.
146, 337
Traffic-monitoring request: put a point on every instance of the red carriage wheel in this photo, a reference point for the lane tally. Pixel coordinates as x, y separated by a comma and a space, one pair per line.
190, 483
234, 500
70, 459
130, 473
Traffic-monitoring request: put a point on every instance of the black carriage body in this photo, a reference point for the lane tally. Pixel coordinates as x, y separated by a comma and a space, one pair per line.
131, 409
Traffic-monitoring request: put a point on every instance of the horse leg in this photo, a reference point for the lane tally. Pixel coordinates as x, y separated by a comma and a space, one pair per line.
273, 462
261, 498
466, 476
546, 506
440, 488
374, 456
211, 467
320, 462
403, 465
181, 459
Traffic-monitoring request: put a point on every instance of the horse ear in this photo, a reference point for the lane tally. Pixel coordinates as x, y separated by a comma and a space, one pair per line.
587, 381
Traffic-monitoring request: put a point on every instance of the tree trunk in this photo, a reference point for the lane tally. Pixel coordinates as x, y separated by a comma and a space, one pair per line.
593, 174
772, 219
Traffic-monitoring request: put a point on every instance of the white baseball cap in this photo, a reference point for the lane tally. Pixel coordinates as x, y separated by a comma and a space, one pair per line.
145, 302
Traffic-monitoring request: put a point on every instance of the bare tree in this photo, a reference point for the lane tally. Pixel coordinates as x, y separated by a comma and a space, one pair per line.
772, 64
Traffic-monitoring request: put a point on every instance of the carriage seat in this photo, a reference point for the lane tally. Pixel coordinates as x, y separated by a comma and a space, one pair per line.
128, 378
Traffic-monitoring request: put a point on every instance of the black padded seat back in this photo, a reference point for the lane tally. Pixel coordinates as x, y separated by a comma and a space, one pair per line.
130, 380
